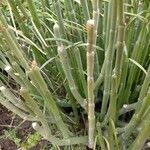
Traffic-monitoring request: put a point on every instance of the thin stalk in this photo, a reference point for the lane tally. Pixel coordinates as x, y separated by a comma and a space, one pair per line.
111, 113
34, 14
19, 19
120, 41
15, 109
109, 57
63, 142
113, 98
144, 89
95, 5
110, 135
33, 106
100, 136
59, 16
136, 55
40, 84
100, 79
143, 134
12, 42
108, 17
12, 98
66, 68
137, 117
80, 69
105, 19
124, 74
85, 9
90, 81
127, 108
10, 71
22, 9
72, 16
70, 95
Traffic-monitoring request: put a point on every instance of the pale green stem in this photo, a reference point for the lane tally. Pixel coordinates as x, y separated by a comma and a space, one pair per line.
66, 68
34, 14
63, 142
120, 41
40, 84
85, 8
57, 6
100, 136
16, 110
95, 5
33, 106
143, 135
12, 42
109, 57
137, 117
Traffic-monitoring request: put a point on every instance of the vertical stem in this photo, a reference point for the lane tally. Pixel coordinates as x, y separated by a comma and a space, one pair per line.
73, 18
85, 8
137, 117
90, 81
105, 19
40, 83
67, 69
12, 42
60, 18
120, 40
95, 4
19, 18
143, 134
109, 57
34, 13
33, 106
100, 136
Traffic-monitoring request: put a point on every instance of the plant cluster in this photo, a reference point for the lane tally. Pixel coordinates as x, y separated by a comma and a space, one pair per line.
78, 69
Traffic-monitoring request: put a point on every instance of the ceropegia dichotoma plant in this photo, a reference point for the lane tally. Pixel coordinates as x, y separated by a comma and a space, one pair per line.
82, 68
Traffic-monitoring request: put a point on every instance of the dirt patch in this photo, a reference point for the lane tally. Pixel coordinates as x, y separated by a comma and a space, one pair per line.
22, 131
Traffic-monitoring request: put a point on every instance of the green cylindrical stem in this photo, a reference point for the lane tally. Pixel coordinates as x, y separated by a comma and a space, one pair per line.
12, 42
90, 81
105, 19
33, 106
137, 117
40, 84
95, 4
144, 89
66, 66
16, 110
113, 98
143, 134
109, 57
11, 97
72, 16
57, 6
56, 141
120, 40
34, 13
19, 19
100, 136
85, 8
80, 68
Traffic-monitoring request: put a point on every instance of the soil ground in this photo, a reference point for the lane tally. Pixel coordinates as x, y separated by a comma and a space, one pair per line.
9, 122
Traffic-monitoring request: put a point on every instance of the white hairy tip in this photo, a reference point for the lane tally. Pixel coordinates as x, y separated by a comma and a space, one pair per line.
56, 26
125, 106
34, 124
90, 22
2, 88
148, 144
7, 68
